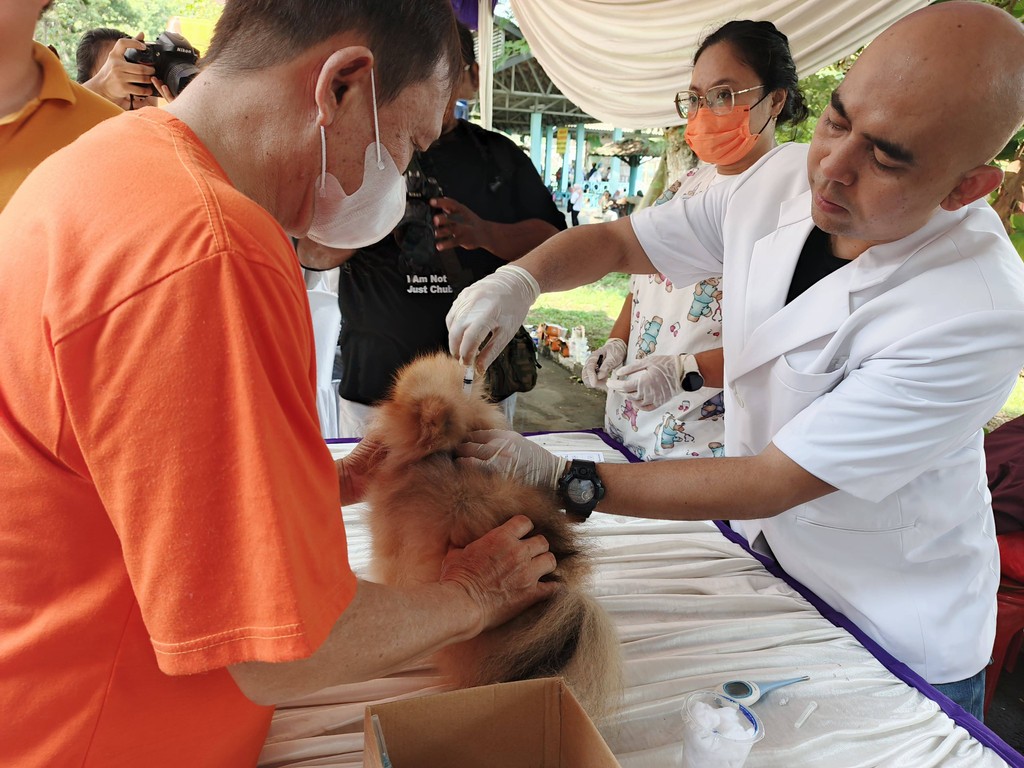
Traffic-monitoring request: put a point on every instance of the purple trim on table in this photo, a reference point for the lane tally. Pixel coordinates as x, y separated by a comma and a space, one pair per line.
612, 442
959, 715
608, 439
598, 432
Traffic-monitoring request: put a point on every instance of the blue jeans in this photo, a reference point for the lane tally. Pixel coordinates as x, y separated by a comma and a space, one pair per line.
968, 693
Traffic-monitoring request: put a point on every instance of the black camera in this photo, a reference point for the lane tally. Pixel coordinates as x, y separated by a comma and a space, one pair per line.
415, 232
173, 58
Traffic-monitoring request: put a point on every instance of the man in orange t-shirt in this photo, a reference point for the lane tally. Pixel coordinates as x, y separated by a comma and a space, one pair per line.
41, 110
172, 555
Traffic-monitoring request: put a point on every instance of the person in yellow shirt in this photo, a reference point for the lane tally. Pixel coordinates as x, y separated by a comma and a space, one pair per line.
41, 110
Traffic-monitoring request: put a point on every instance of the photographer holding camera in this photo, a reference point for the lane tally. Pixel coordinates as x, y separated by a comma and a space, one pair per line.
129, 72
474, 203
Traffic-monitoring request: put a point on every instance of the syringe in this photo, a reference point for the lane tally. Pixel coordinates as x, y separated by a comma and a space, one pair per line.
467, 379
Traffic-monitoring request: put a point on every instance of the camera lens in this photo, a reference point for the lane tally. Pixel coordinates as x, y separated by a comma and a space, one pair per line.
179, 75
415, 235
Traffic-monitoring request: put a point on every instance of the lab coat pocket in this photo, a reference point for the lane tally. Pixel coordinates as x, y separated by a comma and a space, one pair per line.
856, 564
856, 542
844, 514
791, 390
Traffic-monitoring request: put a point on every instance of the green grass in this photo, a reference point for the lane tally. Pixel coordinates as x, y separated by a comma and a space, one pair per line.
593, 306
596, 306
1015, 405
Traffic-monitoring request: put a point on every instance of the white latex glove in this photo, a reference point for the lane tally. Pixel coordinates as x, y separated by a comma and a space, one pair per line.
513, 456
493, 306
602, 362
650, 382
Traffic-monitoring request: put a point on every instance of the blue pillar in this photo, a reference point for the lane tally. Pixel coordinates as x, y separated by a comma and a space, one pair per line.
549, 154
634, 171
565, 167
581, 151
616, 163
535, 131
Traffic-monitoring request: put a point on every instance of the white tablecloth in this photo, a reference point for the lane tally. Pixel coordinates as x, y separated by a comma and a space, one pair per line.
693, 610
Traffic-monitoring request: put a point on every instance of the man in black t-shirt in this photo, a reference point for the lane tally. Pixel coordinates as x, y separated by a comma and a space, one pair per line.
495, 209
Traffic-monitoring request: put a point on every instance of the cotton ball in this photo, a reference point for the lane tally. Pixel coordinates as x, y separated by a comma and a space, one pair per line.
706, 716
716, 737
733, 724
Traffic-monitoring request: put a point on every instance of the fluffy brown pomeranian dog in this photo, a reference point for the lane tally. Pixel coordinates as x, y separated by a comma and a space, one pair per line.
422, 503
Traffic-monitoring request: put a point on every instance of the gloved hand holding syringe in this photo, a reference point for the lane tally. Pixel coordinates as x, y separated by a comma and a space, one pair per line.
487, 314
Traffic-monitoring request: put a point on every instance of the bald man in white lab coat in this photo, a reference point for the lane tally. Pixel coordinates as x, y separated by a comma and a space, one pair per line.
874, 328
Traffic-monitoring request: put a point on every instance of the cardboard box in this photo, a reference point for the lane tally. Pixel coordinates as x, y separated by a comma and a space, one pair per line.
527, 724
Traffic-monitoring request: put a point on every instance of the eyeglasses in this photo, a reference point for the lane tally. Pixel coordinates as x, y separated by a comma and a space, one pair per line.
720, 100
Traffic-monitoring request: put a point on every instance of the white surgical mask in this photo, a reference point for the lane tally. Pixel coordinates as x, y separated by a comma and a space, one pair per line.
368, 214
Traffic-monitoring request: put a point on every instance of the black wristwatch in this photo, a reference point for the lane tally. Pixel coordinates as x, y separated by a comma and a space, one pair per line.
692, 380
580, 488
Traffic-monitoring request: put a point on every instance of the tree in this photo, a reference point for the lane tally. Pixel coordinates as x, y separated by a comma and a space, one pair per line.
817, 90
63, 25
1008, 199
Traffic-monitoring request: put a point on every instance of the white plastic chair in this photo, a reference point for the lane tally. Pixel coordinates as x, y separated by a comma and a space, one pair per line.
326, 315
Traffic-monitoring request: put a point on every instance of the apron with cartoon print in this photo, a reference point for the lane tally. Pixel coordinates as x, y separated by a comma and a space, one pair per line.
667, 319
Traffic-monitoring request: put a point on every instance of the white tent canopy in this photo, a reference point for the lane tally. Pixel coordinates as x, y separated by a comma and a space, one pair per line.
623, 60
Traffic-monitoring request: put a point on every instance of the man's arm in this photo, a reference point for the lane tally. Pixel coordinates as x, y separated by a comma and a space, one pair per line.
581, 255
459, 227
487, 313
385, 628
354, 470
739, 488
510, 241
742, 488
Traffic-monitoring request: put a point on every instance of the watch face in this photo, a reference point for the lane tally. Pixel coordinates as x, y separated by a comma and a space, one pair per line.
692, 382
581, 491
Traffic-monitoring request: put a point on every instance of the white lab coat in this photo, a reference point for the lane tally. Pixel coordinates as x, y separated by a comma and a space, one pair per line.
878, 380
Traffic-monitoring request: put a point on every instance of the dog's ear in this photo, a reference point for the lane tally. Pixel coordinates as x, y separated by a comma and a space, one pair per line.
426, 411
429, 411
441, 424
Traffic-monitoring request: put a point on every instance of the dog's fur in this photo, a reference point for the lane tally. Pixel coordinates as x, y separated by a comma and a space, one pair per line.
422, 503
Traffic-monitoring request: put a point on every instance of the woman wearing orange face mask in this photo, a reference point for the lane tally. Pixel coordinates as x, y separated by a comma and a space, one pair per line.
662, 365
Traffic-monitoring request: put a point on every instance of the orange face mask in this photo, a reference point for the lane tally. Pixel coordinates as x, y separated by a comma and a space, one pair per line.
721, 139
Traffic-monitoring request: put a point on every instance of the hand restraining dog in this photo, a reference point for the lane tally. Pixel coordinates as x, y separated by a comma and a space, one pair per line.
423, 503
